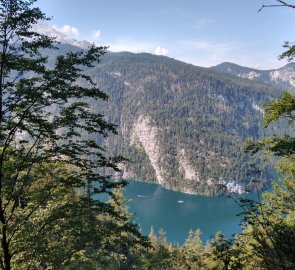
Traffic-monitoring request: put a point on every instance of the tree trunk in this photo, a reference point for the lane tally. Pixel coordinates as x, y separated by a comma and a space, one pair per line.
5, 244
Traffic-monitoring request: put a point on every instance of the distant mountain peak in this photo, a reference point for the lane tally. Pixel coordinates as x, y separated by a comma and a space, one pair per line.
225, 65
44, 28
290, 65
280, 78
232, 65
237, 70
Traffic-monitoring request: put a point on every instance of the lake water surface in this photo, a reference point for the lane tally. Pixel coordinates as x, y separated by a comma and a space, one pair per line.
177, 212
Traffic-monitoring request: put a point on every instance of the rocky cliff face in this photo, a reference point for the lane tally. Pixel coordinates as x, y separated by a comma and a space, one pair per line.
45, 29
282, 78
145, 134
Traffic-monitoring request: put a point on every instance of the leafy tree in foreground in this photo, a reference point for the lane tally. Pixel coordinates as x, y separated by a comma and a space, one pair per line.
50, 161
270, 226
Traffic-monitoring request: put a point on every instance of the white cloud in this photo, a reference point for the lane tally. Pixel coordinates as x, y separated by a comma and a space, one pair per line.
132, 46
218, 48
203, 53
259, 61
206, 53
160, 51
201, 23
137, 47
68, 30
96, 34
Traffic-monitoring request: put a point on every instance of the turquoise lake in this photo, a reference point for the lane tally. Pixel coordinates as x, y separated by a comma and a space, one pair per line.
177, 212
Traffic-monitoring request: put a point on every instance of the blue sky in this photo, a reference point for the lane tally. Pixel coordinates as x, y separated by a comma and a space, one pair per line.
200, 32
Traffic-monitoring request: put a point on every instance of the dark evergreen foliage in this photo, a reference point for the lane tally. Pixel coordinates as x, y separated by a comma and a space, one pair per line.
50, 162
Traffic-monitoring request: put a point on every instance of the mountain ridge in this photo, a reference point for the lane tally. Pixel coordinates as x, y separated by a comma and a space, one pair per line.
182, 126
43, 28
279, 78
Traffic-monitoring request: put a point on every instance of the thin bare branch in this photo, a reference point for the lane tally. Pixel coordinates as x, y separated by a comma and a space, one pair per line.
282, 4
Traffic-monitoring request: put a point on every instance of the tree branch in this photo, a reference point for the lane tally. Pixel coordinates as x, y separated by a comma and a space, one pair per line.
282, 4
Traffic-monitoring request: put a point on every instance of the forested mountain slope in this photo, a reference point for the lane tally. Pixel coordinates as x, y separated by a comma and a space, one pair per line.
181, 125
